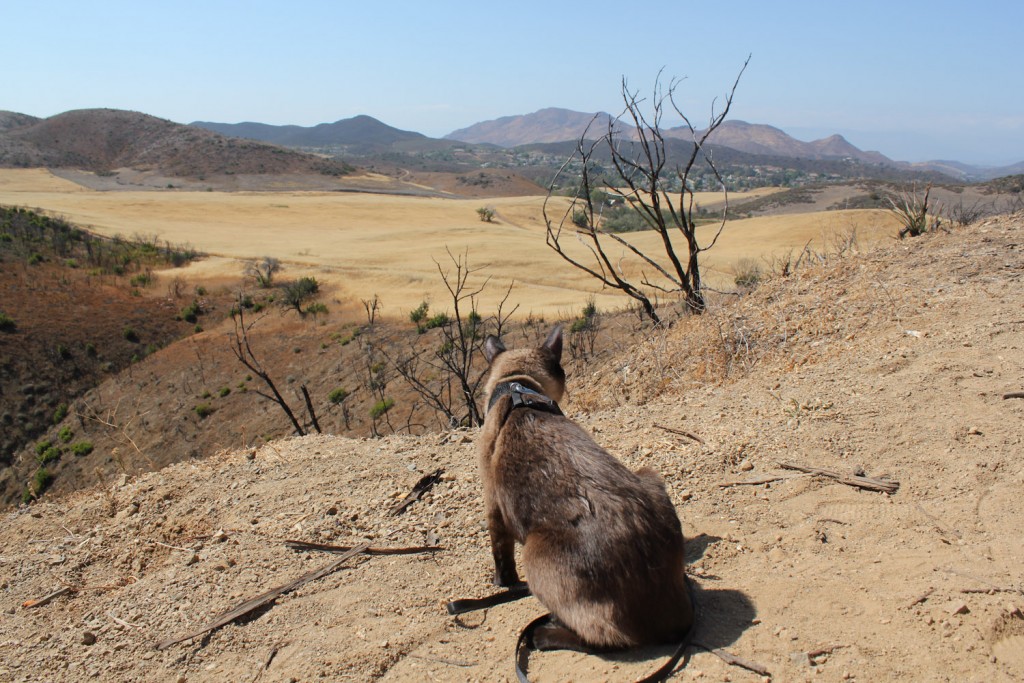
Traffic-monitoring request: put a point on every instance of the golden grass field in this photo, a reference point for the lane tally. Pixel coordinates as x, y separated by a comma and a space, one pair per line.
365, 244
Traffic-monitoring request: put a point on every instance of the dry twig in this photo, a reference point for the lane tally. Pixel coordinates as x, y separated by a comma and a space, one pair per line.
857, 481
266, 598
422, 486
680, 432
327, 548
766, 479
46, 599
920, 598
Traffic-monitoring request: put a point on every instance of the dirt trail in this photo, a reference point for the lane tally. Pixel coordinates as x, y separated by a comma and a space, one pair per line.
894, 362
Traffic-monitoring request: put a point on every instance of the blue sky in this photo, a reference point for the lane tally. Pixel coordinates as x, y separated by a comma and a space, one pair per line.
914, 80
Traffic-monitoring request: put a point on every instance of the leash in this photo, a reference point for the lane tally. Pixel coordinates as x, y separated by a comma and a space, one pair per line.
525, 644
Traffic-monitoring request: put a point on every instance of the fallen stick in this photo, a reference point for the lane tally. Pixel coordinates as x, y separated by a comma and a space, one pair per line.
935, 520
46, 599
920, 598
266, 598
732, 659
766, 479
1014, 394
994, 589
855, 480
680, 432
422, 486
327, 548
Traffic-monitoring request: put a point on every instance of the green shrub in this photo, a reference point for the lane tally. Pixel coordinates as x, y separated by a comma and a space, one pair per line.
337, 396
486, 214
60, 413
131, 335
90, 350
71, 263
7, 323
42, 446
82, 448
419, 314
51, 454
42, 480
191, 312
316, 308
141, 280
224, 391
65, 434
381, 407
203, 410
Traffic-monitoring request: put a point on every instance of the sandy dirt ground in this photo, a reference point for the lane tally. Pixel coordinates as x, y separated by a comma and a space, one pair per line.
900, 362
390, 245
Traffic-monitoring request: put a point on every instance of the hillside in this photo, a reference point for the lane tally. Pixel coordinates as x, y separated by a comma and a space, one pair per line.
359, 134
105, 140
768, 140
894, 362
545, 125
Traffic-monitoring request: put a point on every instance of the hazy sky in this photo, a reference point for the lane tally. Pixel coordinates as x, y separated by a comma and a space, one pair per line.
914, 80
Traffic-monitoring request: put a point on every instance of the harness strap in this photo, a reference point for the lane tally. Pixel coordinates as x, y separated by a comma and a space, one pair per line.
523, 397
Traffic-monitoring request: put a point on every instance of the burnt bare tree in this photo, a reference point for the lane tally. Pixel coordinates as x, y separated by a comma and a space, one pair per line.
263, 271
241, 347
643, 178
444, 367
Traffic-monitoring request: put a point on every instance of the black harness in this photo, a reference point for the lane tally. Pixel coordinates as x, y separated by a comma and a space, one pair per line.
526, 397
523, 397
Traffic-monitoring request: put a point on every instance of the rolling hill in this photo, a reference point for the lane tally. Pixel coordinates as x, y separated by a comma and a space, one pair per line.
361, 134
103, 140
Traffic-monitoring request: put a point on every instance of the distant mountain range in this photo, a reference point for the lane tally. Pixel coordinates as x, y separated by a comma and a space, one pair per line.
554, 125
107, 139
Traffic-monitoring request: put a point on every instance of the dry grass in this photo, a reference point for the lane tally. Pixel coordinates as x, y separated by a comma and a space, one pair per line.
366, 244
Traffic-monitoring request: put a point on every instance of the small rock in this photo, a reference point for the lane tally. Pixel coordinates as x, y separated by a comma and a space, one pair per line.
746, 466
88, 638
800, 659
191, 559
686, 494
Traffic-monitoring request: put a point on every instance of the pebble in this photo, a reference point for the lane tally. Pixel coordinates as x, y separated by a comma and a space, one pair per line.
88, 638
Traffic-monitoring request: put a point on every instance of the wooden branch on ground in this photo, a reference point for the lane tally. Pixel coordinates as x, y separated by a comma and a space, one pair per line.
680, 432
920, 598
266, 598
422, 486
1014, 394
733, 660
992, 590
857, 481
327, 548
766, 479
938, 525
46, 599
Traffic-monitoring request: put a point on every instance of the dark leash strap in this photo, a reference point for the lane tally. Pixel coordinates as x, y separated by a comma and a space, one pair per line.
525, 644
517, 592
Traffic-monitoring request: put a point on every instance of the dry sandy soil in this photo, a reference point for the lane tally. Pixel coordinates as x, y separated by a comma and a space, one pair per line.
896, 361
387, 244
